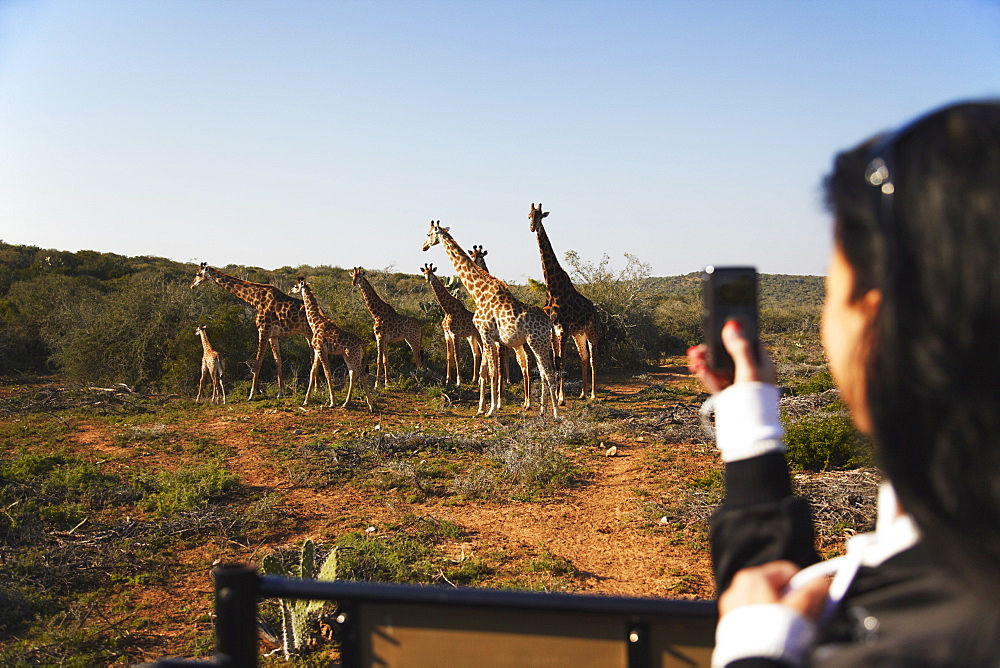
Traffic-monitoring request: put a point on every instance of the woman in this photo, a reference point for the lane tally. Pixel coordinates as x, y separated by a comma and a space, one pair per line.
911, 325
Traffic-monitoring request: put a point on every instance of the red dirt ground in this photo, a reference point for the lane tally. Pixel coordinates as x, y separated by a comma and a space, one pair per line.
599, 526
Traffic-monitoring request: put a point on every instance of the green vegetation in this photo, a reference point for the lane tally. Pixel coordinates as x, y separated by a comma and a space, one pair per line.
84, 530
821, 442
101, 318
296, 614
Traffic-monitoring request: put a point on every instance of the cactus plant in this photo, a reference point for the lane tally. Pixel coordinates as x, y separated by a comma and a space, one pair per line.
295, 613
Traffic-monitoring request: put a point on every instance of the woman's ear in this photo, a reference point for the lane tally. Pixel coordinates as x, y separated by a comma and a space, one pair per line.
870, 303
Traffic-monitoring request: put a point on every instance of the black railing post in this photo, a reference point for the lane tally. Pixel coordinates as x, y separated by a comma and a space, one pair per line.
348, 632
637, 637
236, 615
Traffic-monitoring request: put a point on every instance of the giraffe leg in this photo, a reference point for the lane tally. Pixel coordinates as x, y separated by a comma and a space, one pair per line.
261, 342
542, 348
495, 387
490, 373
222, 386
215, 387
559, 363
506, 354
525, 365
586, 350
381, 362
366, 385
200, 382
325, 361
276, 352
313, 375
350, 386
484, 375
450, 354
477, 356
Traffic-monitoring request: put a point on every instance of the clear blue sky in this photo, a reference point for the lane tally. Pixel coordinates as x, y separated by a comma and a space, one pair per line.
332, 132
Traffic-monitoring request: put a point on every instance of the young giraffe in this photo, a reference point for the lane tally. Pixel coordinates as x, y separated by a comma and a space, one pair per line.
457, 323
501, 319
389, 327
478, 255
328, 339
211, 364
277, 315
572, 314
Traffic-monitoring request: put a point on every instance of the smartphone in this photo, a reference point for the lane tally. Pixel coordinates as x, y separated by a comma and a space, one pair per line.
728, 293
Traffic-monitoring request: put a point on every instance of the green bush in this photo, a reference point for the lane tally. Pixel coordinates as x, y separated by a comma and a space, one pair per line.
820, 382
172, 492
391, 558
625, 302
679, 319
819, 442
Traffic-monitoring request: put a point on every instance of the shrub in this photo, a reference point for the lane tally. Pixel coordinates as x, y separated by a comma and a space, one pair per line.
678, 317
821, 382
392, 558
625, 303
172, 492
819, 442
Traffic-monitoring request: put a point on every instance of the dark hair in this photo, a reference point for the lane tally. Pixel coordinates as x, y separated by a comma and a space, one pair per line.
933, 368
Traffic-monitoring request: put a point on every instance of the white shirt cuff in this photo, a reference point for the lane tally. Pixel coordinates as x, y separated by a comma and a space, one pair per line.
747, 422
771, 631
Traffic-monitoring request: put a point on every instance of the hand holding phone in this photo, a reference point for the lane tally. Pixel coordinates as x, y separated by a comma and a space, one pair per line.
728, 293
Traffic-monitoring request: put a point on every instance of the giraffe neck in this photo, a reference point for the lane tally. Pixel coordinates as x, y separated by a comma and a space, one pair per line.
448, 301
311, 305
252, 293
473, 278
205, 345
556, 277
378, 307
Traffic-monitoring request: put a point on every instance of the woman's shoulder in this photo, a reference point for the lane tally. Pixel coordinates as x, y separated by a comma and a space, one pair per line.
912, 610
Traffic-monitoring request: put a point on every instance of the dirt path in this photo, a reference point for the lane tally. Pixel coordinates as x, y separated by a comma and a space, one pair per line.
603, 528
599, 527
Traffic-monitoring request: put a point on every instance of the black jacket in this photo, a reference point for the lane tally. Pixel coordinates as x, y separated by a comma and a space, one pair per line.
909, 611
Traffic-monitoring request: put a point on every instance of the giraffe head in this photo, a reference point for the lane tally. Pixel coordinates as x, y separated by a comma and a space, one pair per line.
297, 288
428, 270
478, 253
204, 274
434, 235
535, 216
356, 275
199, 330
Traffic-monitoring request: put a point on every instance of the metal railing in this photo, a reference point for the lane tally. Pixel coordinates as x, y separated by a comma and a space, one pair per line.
395, 625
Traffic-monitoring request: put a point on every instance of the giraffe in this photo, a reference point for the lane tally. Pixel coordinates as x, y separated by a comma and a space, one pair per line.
572, 314
478, 255
457, 323
328, 339
211, 364
277, 315
389, 326
501, 319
